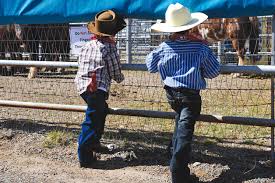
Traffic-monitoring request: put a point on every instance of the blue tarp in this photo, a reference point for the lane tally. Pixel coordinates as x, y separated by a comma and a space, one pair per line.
59, 11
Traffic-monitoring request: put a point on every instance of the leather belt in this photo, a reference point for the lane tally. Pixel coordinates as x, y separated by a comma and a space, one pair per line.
182, 90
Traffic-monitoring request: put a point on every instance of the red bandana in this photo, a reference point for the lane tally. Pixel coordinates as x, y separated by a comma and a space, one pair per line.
188, 36
103, 39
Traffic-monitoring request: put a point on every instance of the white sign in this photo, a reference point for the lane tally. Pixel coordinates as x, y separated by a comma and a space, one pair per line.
79, 35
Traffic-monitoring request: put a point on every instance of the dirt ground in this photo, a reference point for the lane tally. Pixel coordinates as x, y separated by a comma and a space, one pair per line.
135, 159
23, 158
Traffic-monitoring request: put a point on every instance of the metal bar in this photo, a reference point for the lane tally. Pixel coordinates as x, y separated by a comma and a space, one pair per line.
265, 35
143, 113
79, 24
40, 52
48, 106
265, 16
272, 118
128, 41
247, 54
37, 63
219, 51
255, 69
272, 89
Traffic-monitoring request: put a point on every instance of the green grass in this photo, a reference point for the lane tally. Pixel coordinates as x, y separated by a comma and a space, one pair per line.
58, 138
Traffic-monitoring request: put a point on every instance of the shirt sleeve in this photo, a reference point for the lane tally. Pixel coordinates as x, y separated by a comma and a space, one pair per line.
152, 60
211, 65
113, 65
83, 61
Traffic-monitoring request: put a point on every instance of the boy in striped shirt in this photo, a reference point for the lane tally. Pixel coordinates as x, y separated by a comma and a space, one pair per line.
184, 61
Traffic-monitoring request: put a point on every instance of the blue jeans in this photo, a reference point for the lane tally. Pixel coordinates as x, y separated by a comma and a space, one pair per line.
187, 105
93, 125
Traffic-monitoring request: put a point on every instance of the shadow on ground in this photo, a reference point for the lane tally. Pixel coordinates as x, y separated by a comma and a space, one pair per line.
245, 163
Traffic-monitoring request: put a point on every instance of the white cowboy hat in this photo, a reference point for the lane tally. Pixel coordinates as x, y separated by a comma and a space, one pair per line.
178, 18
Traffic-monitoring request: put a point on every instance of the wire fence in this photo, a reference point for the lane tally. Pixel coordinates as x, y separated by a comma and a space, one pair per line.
249, 95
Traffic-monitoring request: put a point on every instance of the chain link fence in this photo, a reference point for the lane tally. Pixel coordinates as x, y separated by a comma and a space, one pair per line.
248, 95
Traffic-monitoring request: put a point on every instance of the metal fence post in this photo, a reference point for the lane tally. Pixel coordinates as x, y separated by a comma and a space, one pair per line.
219, 51
272, 88
129, 41
39, 52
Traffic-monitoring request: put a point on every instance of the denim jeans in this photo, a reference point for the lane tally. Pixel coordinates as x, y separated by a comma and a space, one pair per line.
187, 105
93, 125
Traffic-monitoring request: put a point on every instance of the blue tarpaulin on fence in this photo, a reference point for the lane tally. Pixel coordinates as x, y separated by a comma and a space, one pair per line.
58, 11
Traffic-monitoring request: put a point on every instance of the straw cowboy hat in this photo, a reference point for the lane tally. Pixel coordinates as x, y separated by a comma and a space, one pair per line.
178, 18
107, 23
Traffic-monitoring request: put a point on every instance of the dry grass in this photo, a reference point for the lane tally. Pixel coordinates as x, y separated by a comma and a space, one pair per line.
58, 138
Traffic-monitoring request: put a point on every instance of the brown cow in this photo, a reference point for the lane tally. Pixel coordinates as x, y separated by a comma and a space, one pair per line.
238, 30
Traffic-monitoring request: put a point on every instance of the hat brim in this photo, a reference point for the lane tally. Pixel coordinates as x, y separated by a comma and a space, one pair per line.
197, 18
93, 30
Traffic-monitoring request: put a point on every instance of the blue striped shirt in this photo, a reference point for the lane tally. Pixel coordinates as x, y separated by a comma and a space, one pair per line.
183, 64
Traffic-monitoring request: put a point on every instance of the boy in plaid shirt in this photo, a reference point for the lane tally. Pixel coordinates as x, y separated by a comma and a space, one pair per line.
98, 64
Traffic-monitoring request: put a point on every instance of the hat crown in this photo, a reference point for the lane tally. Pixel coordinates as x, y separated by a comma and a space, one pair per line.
107, 23
105, 16
177, 15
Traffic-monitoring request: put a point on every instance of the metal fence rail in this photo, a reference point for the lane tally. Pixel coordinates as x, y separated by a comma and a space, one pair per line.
252, 69
143, 113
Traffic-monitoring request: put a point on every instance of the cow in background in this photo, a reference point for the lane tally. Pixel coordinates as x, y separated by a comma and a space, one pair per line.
237, 30
11, 47
46, 42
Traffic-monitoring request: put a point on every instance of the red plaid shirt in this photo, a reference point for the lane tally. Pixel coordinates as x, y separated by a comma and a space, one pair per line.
102, 58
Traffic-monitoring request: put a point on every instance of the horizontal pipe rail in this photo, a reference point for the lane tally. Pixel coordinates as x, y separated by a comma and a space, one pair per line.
24, 63
143, 113
253, 69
